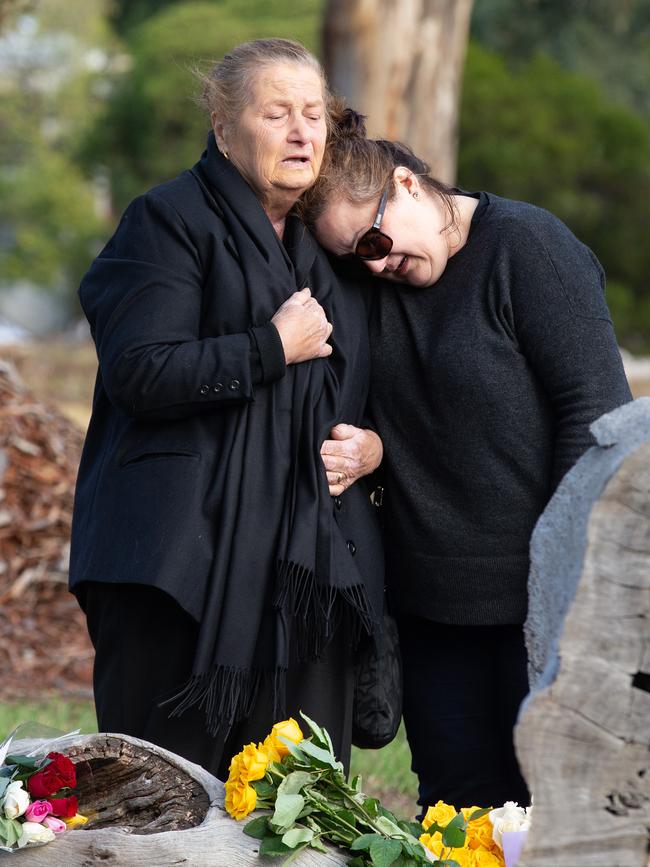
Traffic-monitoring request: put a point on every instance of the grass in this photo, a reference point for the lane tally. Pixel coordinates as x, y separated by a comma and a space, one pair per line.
386, 773
57, 713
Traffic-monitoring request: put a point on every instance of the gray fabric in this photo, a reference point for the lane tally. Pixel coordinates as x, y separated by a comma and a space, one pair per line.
559, 540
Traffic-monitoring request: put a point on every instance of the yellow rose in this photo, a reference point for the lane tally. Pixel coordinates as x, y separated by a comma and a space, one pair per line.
432, 842
252, 764
479, 831
76, 821
288, 729
441, 813
240, 799
269, 747
483, 858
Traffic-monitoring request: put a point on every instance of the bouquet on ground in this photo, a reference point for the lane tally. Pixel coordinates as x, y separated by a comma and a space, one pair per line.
300, 780
484, 838
36, 800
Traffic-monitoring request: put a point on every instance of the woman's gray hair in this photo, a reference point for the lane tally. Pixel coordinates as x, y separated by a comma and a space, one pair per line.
227, 86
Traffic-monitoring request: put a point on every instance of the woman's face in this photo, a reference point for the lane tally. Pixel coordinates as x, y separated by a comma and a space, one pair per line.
277, 142
413, 218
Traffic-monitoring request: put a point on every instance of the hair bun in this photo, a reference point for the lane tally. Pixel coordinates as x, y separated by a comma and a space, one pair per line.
352, 123
346, 122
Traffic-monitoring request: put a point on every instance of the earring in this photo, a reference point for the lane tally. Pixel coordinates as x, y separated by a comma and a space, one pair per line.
225, 154
416, 195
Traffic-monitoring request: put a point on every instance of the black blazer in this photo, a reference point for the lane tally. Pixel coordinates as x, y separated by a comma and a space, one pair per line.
147, 497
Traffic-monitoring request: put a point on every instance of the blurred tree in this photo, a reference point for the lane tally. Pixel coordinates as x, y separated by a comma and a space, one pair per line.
402, 65
152, 128
608, 41
551, 137
50, 216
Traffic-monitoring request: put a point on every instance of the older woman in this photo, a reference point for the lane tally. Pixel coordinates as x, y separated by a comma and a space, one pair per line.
492, 351
223, 584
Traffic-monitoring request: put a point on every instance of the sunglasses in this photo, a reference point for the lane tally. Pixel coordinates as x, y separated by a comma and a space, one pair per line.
374, 244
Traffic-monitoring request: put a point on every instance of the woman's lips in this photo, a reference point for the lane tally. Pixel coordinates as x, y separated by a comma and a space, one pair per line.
402, 268
298, 161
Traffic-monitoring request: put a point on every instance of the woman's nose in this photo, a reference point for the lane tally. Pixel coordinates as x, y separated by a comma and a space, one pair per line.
300, 129
376, 265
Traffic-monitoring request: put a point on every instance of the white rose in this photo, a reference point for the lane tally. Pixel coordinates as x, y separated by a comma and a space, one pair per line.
34, 834
16, 800
510, 817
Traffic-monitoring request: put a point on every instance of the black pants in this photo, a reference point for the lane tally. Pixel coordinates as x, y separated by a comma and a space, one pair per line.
463, 686
144, 648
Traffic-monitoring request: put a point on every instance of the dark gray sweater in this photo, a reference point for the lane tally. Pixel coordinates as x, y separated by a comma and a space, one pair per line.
483, 388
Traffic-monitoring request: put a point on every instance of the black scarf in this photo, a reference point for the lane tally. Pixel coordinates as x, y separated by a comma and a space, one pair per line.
282, 578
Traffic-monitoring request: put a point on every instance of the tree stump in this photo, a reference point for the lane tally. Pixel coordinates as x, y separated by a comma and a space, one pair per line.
584, 734
149, 808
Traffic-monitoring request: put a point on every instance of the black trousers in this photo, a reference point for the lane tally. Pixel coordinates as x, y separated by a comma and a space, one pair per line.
144, 647
463, 686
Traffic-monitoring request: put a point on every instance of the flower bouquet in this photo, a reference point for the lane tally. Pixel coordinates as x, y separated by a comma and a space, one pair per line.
36, 800
302, 785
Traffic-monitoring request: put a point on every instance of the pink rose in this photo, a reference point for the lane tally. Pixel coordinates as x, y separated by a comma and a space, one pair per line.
37, 811
54, 824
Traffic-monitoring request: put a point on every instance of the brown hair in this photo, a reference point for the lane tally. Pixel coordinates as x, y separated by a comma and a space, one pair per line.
227, 86
358, 169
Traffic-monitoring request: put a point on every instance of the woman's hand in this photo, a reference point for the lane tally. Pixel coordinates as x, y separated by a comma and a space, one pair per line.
303, 328
352, 452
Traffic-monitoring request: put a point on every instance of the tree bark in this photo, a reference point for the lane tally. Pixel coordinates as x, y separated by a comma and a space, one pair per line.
402, 64
583, 741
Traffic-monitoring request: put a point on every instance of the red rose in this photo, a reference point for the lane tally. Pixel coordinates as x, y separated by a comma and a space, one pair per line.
58, 774
65, 808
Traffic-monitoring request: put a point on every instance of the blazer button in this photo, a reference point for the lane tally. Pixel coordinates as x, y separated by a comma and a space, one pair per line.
217, 388
338, 503
204, 389
352, 548
234, 384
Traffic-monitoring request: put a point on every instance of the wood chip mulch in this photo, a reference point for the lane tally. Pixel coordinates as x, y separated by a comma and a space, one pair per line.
44, 646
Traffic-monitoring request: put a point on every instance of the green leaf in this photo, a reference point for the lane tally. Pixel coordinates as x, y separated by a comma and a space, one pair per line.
287, 810
346, 816
320, 755
478, 814
356, 783
316, 730
9, 831
294, 782
295, 750
383, 852
412, 828
357, 862
27, 761
273, 846
453, 837
364, 841
295, 854
258, 828
371, 806
264, 789
4, 782
317, 843
294, 836
388, 826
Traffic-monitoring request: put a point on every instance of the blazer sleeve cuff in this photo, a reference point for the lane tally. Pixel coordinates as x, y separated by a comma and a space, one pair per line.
267, 354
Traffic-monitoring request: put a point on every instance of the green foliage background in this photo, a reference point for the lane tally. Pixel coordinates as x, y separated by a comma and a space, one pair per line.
550, 114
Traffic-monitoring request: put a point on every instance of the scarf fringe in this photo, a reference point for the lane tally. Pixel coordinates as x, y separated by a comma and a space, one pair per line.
224, 693
317, 611
227, 694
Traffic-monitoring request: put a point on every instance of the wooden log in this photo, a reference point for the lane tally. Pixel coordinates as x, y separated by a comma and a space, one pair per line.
583, 740
150, 808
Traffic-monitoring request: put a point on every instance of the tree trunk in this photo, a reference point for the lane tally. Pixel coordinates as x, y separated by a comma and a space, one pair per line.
402, 64
149, 807
583, 740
